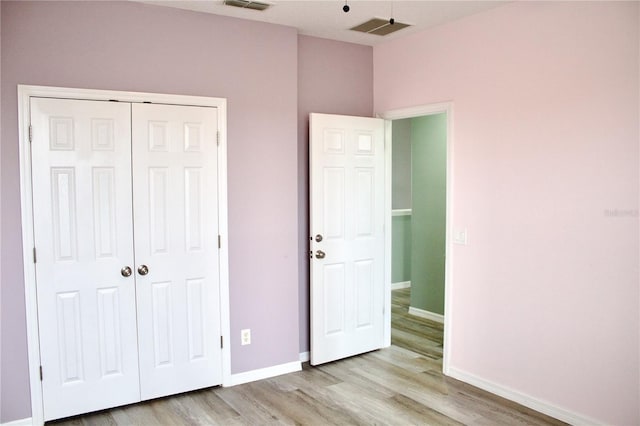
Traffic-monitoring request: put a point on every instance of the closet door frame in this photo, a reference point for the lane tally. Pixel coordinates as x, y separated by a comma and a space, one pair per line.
25, 92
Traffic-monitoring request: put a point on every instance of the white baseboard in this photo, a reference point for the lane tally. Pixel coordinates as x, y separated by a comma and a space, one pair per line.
523, 399
426, 314
305, 356
400, 284
264, 373
21, 422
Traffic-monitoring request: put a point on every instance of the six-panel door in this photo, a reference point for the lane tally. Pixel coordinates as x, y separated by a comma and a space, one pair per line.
81, 165
98, 349
347, 230
176, 235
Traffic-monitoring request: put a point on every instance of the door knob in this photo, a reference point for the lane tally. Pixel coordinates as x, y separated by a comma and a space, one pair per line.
143, 269
318, 238
125, 272
320, 254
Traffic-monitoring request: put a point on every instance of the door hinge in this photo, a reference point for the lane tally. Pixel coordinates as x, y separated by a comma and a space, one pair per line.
218, 138
40, 373
30, 133
221, 342
219, 242
34, 255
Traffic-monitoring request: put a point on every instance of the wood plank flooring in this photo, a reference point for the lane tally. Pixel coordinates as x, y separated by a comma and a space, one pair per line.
417, 334
392, 386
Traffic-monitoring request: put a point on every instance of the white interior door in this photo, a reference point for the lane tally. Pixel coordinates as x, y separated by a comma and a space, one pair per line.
81, 166
176, 236
347, 229
118, 321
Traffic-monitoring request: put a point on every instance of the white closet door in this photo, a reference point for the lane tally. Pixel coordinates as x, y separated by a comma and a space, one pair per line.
347, 229
176, 239
81, 165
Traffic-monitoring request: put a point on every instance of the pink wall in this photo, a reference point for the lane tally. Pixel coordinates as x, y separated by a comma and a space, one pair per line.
546, 294
130, 46
336, 78
0, 217
546, 141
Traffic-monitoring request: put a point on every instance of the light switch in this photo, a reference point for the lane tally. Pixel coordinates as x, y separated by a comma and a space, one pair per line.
460, 236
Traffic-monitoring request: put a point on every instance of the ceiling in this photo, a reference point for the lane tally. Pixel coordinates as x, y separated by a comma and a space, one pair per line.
325, 18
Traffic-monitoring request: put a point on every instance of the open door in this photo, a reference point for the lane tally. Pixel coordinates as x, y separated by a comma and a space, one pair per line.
347, 189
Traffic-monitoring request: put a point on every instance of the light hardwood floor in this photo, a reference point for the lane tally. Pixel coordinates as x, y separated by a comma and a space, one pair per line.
417, 334
392, 386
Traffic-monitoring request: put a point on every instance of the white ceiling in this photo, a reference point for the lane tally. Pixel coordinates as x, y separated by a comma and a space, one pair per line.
325, 18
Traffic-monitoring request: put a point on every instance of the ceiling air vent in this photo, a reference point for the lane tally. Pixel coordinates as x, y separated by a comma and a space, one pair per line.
246, 4
380, 27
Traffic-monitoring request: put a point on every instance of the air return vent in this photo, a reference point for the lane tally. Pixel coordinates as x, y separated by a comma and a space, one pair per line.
379, 27
246, 4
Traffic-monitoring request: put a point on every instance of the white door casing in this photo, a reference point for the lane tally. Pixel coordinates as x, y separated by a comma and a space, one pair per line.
78, 171
82, 221
176, 236
419, 111
347, 209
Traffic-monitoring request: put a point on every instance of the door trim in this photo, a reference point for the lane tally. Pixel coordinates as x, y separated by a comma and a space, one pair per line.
26, 196
418, 111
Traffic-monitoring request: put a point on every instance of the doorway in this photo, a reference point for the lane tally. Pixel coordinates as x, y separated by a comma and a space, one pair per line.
420, 216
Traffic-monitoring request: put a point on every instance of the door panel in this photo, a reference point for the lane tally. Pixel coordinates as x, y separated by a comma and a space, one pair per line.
81, 165
347, 210
176, 234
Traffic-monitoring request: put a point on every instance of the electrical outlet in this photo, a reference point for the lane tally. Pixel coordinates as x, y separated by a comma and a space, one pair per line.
245, 336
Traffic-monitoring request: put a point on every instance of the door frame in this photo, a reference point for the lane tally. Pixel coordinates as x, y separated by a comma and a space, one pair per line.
25, 92
411, 112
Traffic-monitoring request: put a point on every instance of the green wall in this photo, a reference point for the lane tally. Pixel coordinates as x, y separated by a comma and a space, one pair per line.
401, 199
400, 249
428, 227
401, 164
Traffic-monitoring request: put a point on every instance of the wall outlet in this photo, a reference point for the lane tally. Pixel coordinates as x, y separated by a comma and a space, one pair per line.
245, 336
